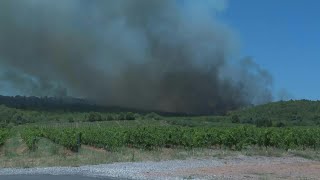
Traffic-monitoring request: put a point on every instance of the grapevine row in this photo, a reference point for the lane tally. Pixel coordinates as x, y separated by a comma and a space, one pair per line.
4, 134
150, 138
31, 136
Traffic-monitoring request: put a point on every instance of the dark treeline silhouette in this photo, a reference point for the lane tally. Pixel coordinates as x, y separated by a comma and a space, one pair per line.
49, 103
67, 104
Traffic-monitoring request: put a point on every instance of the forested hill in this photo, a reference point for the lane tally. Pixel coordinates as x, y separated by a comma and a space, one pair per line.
55, 104
299, 112
67, 104
20, 110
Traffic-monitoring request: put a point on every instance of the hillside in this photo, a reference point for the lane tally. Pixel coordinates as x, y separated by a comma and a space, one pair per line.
299, 112
283, 113
70, 104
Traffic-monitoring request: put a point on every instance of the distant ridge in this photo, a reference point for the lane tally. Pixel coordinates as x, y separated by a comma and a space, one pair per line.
296, 112
67, 104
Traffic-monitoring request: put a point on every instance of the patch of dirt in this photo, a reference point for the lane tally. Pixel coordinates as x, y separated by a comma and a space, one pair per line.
22, 148
296, 170
248, 168
93, 149
14, 145
67, 152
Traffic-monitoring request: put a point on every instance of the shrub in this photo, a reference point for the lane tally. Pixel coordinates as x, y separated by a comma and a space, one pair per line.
263, 122
93, 116
235, 119
70, 119
280, 124
122, 116
130, 116
110, 117
153, 116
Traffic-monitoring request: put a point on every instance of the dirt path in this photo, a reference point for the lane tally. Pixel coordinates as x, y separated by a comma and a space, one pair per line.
231, 168
14, 146
46, 177
247, 168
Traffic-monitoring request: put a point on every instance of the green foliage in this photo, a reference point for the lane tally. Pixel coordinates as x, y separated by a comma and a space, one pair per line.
110, 117
280, 124
20, 116
291, 113
3, 125
122, 116
67, 137
93, 117
235, 119
70, 119
153, 116
4, 134
264, 122
235, 138
130, 116
31, 136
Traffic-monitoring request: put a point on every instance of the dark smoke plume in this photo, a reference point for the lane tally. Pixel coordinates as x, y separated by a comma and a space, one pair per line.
152, 54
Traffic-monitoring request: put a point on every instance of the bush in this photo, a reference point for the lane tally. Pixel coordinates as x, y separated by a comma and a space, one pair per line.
137, 116
235, 119
280, 124
153, 116
122, 116
110, 117
3, 124
31, 137
263, 122
70, 119
4, 134
94, 117
130, 116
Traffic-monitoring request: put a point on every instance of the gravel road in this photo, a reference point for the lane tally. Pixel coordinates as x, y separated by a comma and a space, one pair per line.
48, 177
241, 167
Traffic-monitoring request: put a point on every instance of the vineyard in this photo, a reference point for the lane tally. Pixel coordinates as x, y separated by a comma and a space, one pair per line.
149, 138
4, 134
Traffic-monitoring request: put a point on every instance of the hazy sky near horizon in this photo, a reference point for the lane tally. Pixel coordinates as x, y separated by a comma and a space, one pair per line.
282, 36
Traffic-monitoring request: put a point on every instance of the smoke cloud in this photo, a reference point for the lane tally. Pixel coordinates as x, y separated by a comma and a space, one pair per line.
151, 54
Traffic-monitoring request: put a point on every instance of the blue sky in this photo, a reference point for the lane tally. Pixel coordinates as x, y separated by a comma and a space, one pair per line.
283, 36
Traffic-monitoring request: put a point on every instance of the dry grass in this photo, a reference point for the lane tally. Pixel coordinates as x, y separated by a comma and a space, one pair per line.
48, 154
15, 154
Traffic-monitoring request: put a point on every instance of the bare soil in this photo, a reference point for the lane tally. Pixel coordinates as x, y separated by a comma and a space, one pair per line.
249, 168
